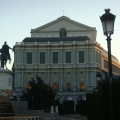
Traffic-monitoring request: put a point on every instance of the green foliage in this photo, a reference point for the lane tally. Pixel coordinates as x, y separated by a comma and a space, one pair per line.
39, 94
98, 103
69, 106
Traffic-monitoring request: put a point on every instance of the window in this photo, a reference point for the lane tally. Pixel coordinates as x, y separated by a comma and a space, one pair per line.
81, 56
29, 57
68, 57
98, 58
105, 64
55, 57
82, 86
62, 32
55, 86
42, 57
68, 86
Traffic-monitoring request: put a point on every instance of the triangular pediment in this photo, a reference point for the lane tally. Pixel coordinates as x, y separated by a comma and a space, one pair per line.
63, 22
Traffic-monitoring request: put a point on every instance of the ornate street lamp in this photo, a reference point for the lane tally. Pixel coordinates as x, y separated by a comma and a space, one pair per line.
98, 76
107, 20
29, 86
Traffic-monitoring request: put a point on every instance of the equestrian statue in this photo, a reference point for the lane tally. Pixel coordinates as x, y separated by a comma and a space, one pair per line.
5, 55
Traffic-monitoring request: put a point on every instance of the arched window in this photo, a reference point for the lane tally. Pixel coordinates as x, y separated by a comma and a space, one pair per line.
62, 32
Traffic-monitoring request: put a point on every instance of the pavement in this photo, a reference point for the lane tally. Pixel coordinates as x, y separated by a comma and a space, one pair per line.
72, 117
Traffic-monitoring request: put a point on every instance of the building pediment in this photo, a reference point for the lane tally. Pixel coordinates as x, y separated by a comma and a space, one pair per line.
63, 22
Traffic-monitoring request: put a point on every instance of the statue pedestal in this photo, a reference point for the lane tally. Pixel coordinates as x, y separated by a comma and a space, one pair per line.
5, 79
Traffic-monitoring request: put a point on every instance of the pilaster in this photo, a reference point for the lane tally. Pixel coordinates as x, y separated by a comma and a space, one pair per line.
22, 79
74, 82
48, 77
48, 59
88, 80
61, 80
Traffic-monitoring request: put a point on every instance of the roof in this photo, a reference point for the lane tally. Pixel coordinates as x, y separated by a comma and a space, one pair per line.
55, 39
106, 53
61, 19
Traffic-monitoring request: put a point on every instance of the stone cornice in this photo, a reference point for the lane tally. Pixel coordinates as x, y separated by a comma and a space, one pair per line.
68, 31
53, 46
5, 71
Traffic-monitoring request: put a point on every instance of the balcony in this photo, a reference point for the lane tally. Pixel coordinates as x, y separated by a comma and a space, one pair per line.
19, 89
87, 89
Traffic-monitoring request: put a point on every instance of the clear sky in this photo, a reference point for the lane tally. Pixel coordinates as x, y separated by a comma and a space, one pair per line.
18, 17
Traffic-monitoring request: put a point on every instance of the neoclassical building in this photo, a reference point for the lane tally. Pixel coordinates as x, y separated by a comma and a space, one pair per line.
65, 54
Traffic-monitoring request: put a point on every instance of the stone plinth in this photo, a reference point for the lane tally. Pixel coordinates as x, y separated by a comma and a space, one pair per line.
5, 79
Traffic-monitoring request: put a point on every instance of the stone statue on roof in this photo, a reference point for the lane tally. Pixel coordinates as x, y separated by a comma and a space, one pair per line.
5, 55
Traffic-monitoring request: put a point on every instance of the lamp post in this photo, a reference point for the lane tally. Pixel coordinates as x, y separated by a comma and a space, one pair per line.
98, 76
29, 86
107, 20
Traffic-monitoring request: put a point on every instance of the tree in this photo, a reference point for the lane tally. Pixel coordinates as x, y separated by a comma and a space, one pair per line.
39, 95
98, 103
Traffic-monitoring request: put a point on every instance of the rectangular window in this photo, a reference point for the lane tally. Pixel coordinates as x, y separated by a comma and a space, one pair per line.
68, 57
68, 86
98, 58
82, 86
42, 57
55, 57
29, 57
81, 56
105, 64
55, 86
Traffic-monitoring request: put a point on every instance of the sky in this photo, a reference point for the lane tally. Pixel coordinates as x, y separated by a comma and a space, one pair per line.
18, 17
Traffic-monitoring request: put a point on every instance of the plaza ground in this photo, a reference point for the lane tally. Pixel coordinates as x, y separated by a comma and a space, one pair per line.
72, 117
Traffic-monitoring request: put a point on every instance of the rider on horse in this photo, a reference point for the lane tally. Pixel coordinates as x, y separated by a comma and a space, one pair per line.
5, 54
6, 48
3, 59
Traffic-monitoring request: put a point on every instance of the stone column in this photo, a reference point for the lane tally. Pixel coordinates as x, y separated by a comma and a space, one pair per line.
95, 57
61, 81
52, 109
56, 108
95, 81
48, 62
48, 59
22, 54
87, 54
61, 53
74, 103
22, 79
74, 82
74, 53
87, 69
61, 78
35, 73
48, 77
15, 82
88, 80
35, 59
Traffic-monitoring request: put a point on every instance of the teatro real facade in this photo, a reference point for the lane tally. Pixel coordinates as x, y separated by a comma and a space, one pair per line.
65, 54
